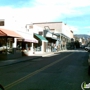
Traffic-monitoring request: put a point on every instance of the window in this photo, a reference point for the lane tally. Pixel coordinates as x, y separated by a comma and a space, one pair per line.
9, 45
40, 33
6, 45
1, 22
31, 26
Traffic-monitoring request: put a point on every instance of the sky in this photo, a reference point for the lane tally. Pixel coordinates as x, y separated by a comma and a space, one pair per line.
75, 13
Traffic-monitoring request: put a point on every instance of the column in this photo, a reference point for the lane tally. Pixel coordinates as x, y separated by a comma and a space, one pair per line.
65, 43
32, 51
14, 45
42, 47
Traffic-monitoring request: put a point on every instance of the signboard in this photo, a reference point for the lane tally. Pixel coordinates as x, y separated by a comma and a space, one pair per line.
49, 34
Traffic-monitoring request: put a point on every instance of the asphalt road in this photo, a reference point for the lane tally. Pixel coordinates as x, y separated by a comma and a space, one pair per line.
62, 71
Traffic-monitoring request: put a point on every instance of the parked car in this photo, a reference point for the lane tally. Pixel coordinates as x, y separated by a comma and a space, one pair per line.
82, 46
87, 48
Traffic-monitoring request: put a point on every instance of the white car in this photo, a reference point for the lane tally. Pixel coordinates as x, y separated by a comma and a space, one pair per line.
87, 48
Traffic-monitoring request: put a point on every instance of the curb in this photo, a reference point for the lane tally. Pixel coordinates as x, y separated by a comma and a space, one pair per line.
5, 64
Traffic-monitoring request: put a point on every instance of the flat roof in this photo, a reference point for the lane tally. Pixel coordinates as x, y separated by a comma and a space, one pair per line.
46, 22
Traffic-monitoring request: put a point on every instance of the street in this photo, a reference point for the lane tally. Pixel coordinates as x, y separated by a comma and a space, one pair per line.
61, 71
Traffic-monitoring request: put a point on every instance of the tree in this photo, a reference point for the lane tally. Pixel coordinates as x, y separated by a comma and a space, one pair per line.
77, 44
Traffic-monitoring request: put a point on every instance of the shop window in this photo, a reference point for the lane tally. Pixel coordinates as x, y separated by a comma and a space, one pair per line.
40, 33
10, 45
23, 46
2, 45
1, 22
6, 45
19, 46
37, 47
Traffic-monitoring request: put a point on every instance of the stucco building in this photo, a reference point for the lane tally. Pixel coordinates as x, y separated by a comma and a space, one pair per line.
38, 37
61, 29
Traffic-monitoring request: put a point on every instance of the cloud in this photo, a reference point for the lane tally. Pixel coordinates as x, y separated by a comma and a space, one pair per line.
74, 29
44, 11
87, 27
34, 14
67, 3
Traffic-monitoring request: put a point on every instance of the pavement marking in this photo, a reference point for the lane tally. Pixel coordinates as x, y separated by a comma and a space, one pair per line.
33, 73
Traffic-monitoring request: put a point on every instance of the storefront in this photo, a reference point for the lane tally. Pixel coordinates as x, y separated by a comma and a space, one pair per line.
8, 44
63, 41
52, 41
41, 45
26, 44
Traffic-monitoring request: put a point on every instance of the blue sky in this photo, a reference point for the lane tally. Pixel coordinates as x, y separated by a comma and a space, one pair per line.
75, 13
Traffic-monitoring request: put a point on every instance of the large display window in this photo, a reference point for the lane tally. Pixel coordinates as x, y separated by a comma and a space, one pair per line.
37, 46
23, 45
6, 45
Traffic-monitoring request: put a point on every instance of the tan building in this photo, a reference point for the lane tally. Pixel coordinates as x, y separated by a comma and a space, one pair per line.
57, 27
63, 30
37, 32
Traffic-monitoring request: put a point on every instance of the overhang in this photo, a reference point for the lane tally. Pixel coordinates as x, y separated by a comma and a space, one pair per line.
10, 33
27, 37
41, 38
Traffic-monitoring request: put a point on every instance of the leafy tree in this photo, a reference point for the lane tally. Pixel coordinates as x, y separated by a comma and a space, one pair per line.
77, 44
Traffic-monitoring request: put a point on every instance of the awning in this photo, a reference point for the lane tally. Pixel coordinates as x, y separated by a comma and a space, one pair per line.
41, 38
5, 32
52, 38
50, 35
27, 37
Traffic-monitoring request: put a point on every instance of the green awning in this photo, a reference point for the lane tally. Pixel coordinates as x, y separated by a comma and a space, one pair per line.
41, 38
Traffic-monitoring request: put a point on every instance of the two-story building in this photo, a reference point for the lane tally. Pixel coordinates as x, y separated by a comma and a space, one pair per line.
61, 29
37, 32
38, 37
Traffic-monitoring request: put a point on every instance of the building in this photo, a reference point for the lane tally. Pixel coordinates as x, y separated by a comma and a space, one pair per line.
61, 29
38, 37
41, 46
23, 44
8, 44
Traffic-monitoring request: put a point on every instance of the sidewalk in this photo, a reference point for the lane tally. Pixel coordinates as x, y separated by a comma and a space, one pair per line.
24, 58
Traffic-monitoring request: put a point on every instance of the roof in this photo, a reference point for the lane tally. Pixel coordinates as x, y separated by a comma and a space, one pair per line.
46, 22
5, 32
